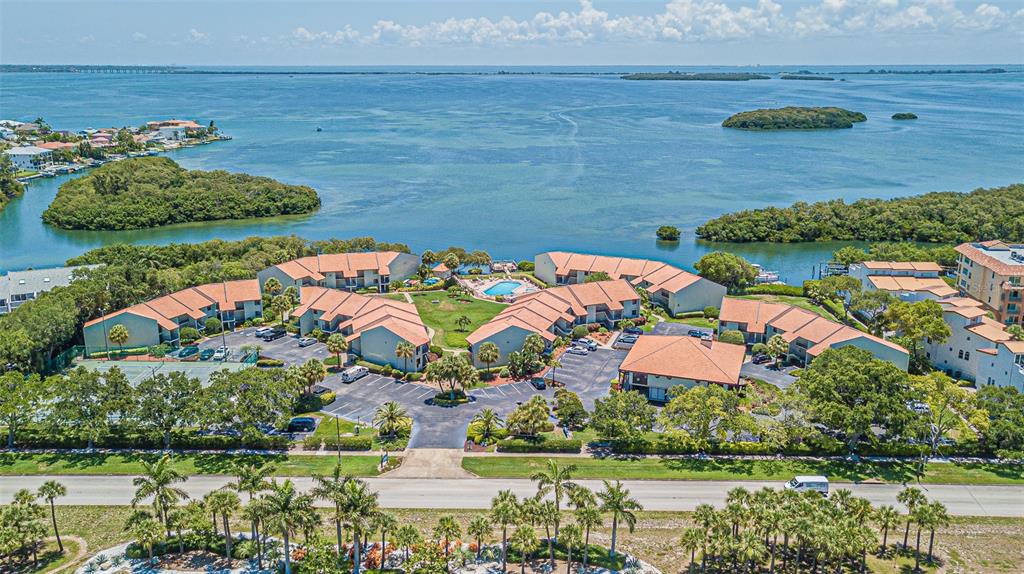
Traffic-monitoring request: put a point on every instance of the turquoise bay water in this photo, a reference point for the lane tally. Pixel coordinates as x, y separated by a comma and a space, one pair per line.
520, 164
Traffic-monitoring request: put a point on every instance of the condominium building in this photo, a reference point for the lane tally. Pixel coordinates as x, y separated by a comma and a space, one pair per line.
973, 337
993, 272
19, 287
349, 271
656, 364
906, 280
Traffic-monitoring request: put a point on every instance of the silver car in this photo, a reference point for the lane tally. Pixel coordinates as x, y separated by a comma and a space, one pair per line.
577, 351
307, 341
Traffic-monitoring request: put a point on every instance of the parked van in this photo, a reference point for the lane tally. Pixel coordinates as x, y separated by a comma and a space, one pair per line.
353, 374
809, 483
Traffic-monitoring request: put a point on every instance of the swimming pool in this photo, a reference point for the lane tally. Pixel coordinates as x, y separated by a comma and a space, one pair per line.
503, 288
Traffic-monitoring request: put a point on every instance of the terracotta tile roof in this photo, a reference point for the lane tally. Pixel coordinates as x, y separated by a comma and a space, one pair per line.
990, 330
361, 313
1014, 346
345, 264
539, 312
903, 265
57, 145
190, 302
977, 252
684, 357
755, 314
963, 306
933, 285
653, 275
989, 351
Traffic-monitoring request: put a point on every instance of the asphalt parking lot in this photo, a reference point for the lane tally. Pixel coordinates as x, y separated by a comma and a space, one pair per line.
445, 427
285, 349
667, 328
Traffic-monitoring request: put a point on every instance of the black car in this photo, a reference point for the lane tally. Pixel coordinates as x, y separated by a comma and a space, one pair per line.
761, 359
633, 331
274, 335
538, 383
302, 424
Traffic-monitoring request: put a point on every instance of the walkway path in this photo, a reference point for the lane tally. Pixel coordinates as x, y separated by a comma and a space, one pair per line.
430, 463
964, 500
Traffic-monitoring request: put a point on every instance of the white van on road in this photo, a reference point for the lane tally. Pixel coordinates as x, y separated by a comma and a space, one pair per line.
809, 483
352, 374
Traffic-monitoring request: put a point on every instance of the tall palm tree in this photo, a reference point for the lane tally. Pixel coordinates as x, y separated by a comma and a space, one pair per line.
488, 354
224, 503
50, 491
505, 511
616, 500
405, 350
358, 505
284, 508
480, 527
750, 549
910, 497
251, 479
329, 488
488, 422
524, 541
572, 537
447, 528
390, 418
693, 539
587, 515
253, 512
886, 517
157, 481
336, 345
556, 480
938, 516
313, 373
547, 515
383, 522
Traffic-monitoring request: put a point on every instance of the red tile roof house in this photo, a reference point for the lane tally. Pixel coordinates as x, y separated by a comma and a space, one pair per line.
373, 326
974, 338
554, 312
656, 364
676, 290
350, 271
160, 320
807, 333
906, 280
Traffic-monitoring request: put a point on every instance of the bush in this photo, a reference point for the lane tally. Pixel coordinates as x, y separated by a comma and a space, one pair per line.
269, 363
543, 445
159, 351
593, 328
213, 326
450, 399
475, 271
504, 373
790, 290
668, 233
309, 403
437, 350
580, 331
525, 265
188, 335
732, 337
347, 443
711, 312
256, 322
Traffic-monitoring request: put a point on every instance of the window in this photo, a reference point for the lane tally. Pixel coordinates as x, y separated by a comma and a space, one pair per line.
967, 356
960, 355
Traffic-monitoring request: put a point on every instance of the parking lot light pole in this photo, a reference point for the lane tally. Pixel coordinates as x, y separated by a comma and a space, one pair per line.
337, 429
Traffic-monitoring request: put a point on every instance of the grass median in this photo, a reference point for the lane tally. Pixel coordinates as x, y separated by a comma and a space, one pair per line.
776, 470
14, 464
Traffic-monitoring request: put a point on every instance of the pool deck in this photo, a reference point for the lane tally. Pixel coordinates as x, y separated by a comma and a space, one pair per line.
479, 288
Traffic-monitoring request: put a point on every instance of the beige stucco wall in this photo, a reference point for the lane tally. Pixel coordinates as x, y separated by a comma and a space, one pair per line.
544, 268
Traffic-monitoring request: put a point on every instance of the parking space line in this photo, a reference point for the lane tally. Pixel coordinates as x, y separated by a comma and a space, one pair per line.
386, 383
421, 395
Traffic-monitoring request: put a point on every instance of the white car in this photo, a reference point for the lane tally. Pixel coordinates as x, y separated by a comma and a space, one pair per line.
307, 341
588, 343
221, 353
577, 351
262, 331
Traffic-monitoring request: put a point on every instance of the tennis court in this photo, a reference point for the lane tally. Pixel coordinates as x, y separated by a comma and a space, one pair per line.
137, 371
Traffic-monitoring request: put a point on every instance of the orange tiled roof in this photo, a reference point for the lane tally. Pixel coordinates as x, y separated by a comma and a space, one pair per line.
361, 313
190, 302
934, 285
683, 357
903, 265
345, 264
979, 256
654, 274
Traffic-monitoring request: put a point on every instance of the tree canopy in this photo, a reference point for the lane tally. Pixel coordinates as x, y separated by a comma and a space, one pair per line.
726, 269
794, 118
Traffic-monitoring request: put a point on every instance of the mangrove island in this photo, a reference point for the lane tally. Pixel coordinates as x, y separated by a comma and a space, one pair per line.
146, 192
794, 118
904, 116
697, 76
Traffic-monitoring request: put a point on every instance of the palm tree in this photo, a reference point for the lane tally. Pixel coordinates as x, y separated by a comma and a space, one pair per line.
554, 364
463, 322
336, 345
407, 536
488, 422
358, 505
329, 488
571, 538
750, 549
251, 479
447, 528
225, 503
922, 515
911, 498
504, 511
693, 539
284, 508
588, 516
148, 533
777, 347
383, 522
157, 481
313, 373
487, 354
547, 515
886, 517
253, 512
615, 499
118, 335
479, 528
390, 418
524, 541
938, 516
557, 481
280, 305
405, 350
272, 286
50, 491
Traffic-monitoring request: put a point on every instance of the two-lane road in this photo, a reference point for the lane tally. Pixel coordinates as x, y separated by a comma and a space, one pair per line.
964, 500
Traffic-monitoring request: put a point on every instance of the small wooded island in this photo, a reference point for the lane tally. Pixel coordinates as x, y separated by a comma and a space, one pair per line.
794, 118
904, 116
697, 76
149, 192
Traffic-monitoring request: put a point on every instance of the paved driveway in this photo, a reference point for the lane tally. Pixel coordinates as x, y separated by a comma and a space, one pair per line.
445, 427
286, 348
778, 378
681, 329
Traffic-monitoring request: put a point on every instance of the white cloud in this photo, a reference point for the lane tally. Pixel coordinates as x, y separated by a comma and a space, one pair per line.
680, 21
197, 36
139, 37
87, 39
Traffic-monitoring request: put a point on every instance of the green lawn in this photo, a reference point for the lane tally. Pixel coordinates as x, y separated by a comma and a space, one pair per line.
802, 302
441, 316
770, 470
13, 464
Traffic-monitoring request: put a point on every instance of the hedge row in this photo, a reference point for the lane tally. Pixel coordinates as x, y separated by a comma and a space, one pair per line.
791, 290
825, 447
185, 440
389, 371
546, 445
361, 442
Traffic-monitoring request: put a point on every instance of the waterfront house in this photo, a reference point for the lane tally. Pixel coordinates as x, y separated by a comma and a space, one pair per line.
555, 312
373, 326
374, 270
160, 320
1002, 365
17, 287
807, 333
993, 272
29, 157
172, 130
909, 281
54, 146
972, 335
676, 290
656, 364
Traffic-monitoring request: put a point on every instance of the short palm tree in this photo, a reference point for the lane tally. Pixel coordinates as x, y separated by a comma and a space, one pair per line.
336, 345
157, 481
383, 523
480, 527
148, 533
50, 491
119, 335
556, 480
390, 418
524, 541
616, 500
407, 536
488, 354
284, 509
937, 516
329, 488
272, 286
571, 537
313, 373
405, 350
447, 528
224, 503
463, 322
505, 511
588, 517
487, 422
253, 512
251, 479
692, 539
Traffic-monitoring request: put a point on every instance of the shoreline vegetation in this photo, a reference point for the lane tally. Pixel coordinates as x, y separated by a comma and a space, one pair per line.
806, 77
904, 116
794, 118
938, 217
147, 192
697, 76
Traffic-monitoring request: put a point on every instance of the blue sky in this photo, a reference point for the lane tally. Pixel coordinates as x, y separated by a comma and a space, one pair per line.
503, 32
